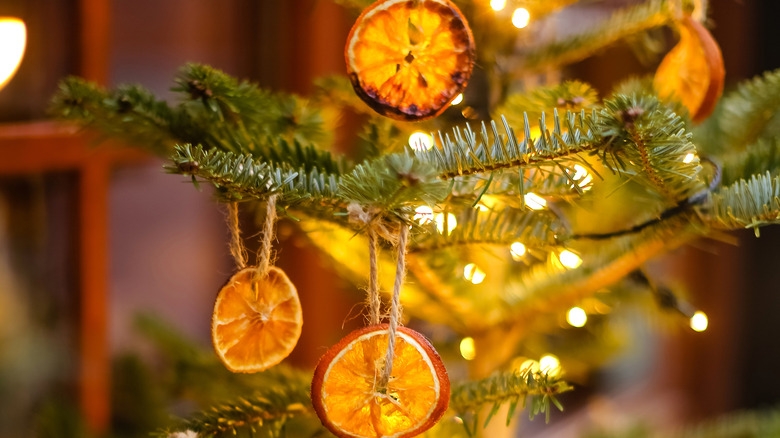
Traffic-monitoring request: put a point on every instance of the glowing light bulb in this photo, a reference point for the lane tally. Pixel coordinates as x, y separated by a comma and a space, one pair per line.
472, 273
699, 321
481, 207
451, 222
550, 365
13, 35
530, 366
688, 158
582, 177
423, 214
534, 201
517, 250
521, 17
467, 348
576, 317
420, 141
458, 99
569, 259
497, 5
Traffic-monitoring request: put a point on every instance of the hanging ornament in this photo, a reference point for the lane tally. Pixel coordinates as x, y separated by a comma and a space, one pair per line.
384, 379
408, 59
257, 317
692, 72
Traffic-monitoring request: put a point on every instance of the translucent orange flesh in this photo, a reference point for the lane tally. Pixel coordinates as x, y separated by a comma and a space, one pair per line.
256, 325
684, 72
356, 405
411, 56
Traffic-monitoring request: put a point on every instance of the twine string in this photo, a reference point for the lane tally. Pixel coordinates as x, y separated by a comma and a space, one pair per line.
395, 306
264, 256
237, 249
374, 302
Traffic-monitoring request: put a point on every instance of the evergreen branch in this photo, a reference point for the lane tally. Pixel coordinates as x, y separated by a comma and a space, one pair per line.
514, 387
493, 227
268, 409
621, 24
764, 156
747, 115
468, 155
240, 177
749, 203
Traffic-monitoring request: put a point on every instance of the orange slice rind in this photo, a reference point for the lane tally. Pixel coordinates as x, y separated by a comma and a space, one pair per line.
408, 59
257, 320
346, 394
692, 72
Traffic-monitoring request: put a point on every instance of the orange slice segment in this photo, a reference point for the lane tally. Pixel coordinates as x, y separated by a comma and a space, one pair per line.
345, 390
408, 59
256, 321
692, 71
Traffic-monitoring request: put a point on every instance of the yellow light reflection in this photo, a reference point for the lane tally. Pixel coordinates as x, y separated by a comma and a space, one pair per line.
451, 222
517, 250
550, 365
521, 17
530, 365
699, 321
458, 99
688, 158
472, 273
13, 39
420, 141
534, 201
582, 177
467, 348
576, 317
569, 259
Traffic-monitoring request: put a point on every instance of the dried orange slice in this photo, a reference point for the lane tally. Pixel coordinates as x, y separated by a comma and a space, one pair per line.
692, 71
345, 390
256, 321
408, 59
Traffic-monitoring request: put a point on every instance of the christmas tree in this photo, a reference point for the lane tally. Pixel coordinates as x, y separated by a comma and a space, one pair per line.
484, 220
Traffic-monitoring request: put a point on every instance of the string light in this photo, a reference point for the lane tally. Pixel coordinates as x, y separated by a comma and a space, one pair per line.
497, 5
688, 158
582, 177
569, 259
13, 34
534, 201
699, 321
521, 17
576, 317
550, 365
423, 214
420, 141
458, 99
517, 250
467, 348
472, 273
530, 366
451, 222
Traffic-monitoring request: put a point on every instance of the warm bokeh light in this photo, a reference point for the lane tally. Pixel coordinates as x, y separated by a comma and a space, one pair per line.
451, 222
530, 365
576, 317
497, 5
458, 99
582, 177
420, 141
534, 201
472, 273
550, 365
688, 158
467, 348
569, 259
13, 39
699, 321
423, 214
521, 17
517, 250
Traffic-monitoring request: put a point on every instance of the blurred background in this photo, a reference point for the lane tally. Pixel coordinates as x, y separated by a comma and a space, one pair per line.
92, 237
